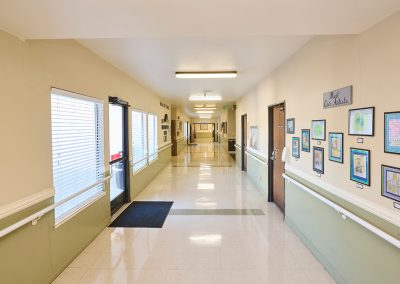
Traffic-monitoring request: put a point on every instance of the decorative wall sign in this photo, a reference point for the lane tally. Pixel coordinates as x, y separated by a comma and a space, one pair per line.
392, 132
305, 140
290, 127
340, 97
164, 105
296, 147
318, 159
318, 129
361, 121
360, 166
254, 137
336, 147
391, 182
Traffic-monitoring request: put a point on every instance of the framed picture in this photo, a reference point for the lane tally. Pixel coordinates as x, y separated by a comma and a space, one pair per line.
336, 147
203, 126
318, 159
305, 140
391, 182
392, 132
361, 121
360, 166
254, 137
318, 129
290, 127
296, 147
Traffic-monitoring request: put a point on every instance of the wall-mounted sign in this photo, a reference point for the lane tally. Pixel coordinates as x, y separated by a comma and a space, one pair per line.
340, 97
164, 105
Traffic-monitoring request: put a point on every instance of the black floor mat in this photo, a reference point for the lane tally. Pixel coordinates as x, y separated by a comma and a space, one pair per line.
143, 214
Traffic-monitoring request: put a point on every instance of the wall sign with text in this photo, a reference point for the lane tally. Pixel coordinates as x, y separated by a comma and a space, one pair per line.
340, 97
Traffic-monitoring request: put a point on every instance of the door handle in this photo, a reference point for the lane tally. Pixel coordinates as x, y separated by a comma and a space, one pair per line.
273, 156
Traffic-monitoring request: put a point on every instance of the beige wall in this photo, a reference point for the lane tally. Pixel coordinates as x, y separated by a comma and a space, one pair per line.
28, 70
371, 63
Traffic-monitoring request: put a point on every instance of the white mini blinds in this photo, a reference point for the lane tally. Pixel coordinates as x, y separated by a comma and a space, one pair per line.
139, 140
152, 136
78, 150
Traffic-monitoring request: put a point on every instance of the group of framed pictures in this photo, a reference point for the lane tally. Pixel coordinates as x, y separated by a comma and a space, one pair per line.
361, 122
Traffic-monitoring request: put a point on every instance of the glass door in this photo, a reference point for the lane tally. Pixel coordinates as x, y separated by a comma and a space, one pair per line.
119, 153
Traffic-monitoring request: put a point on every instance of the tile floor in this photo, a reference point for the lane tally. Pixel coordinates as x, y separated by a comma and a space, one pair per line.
215, 248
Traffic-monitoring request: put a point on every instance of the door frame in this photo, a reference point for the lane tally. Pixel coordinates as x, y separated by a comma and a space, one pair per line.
271, 143
118, 202
243, 152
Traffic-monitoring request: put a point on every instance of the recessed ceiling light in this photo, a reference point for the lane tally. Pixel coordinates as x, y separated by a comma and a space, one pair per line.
205, 98
206, 75
205, 111
204, 116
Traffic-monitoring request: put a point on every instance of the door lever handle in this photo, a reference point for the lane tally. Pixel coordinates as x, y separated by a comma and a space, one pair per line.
273, 156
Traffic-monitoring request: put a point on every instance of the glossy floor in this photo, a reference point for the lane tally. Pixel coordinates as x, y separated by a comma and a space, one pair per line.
224, 246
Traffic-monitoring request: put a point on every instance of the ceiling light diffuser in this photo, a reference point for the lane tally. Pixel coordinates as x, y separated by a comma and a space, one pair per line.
205, 98
206, 75
205, 111
205, 108
204, 116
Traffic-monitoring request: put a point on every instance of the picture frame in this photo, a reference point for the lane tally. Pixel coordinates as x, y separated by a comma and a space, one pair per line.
290, 126
392, 132
360, 166
361, 121
254, 137
336, 147
204, 126
390, 182
318, 160
296, 147
305, 140
318, 129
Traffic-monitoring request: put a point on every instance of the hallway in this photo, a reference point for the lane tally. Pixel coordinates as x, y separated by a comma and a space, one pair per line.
199, 243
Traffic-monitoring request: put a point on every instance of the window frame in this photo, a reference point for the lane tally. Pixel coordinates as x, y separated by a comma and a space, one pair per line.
99, 157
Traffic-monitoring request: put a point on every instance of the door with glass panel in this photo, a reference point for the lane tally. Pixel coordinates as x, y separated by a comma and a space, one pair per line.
119, 153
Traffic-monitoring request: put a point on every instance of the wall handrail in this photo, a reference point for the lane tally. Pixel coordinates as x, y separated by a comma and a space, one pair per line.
346, 214
164, 147
255, 157
237, 146
36, 216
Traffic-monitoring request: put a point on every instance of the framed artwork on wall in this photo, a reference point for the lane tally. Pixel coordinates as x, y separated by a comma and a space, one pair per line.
318, 128
360, 166
305, 140
296, 147
290, 126
391, 182
336, 147
392, 132
204, 126
318, 159
254, 137
361, 121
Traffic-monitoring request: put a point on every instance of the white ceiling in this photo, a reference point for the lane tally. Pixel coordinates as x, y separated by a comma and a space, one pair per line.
153, 62
151, 39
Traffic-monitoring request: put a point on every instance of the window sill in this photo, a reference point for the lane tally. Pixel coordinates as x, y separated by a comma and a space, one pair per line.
73, 213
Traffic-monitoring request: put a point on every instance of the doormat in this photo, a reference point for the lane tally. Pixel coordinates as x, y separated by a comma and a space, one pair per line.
143, 214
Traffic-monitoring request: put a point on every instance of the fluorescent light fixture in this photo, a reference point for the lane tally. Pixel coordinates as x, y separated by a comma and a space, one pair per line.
204, 116
205, 98
205, 111
205, 108
206, 75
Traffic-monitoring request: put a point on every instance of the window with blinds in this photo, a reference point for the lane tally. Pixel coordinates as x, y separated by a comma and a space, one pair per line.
152, 137
77, 150
139, 140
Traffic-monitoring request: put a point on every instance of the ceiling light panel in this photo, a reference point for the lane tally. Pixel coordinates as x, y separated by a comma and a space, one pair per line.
206, 75
205, 111
205, 98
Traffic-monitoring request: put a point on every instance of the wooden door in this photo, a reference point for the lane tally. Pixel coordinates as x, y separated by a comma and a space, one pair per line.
278, 166
244, 142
